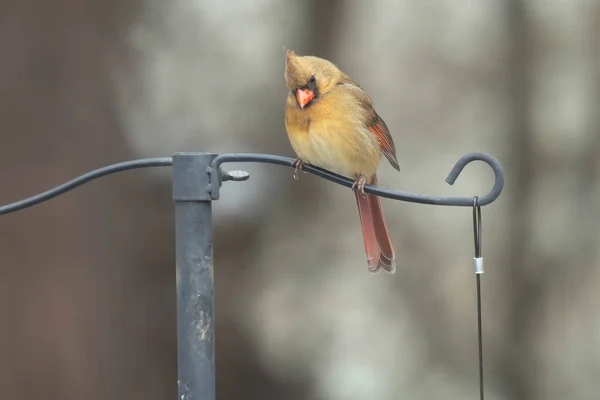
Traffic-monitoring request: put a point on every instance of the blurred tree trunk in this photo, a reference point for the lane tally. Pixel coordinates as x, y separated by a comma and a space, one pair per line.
327, 17
521, 265
87, 278
534, 275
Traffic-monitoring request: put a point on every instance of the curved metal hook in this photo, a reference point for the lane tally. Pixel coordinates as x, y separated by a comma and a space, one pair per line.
218, 176
390, 194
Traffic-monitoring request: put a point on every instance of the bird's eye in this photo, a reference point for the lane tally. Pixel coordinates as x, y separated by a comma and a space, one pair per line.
312, 79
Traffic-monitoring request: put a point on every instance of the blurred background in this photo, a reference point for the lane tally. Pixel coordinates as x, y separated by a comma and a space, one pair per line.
87, 299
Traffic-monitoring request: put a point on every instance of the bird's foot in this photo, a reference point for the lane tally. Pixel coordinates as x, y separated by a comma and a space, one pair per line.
359, 186
298, 163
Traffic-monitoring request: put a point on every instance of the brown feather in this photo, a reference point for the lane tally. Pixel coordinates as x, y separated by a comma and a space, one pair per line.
373, 121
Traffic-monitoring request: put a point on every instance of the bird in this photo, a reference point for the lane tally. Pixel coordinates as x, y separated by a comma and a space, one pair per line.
331, 124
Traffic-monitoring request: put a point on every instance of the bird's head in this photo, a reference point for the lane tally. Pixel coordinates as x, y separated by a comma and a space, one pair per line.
309, 77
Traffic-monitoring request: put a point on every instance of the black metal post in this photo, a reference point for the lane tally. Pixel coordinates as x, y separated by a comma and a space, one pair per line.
195, 282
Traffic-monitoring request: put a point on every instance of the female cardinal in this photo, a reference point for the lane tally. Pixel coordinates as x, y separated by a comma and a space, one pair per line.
331, 123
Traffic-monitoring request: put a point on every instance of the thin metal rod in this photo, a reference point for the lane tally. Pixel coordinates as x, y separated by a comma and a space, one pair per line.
479, 335
478, 262
390, 194
80, 180
195, 280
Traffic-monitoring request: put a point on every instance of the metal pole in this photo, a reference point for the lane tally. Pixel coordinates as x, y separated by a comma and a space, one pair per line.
195, 283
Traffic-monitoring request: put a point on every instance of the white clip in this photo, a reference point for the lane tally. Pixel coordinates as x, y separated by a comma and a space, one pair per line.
478, 264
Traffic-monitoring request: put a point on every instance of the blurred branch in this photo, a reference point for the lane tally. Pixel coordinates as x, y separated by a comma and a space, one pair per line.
327, 17
588, 166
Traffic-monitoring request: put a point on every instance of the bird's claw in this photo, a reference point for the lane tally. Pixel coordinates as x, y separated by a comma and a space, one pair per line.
298, 163
359, 186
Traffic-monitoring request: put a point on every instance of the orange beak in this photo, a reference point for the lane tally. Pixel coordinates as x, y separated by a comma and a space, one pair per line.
304, 96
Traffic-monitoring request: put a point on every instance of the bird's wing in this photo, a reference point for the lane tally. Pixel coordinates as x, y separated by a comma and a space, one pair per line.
373, 121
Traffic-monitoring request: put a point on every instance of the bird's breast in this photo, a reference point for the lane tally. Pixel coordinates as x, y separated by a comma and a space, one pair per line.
333, 142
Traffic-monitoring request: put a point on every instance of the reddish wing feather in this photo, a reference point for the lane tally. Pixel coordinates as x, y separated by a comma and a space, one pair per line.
373, 121
386, 143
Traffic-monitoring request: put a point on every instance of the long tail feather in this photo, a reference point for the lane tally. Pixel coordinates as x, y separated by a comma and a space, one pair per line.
378, 246
386, 249
368, 231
